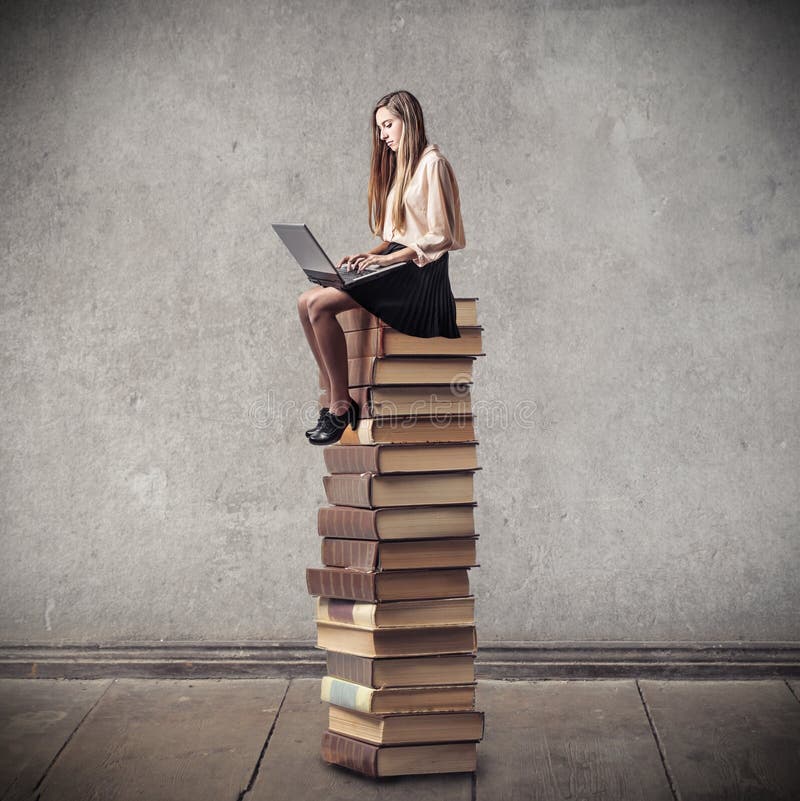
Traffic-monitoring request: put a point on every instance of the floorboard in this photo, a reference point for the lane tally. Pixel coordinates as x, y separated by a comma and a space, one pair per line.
559, 740
728, 740
37, 716
167, 739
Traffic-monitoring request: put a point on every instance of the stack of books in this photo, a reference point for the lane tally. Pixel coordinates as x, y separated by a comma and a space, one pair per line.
393, 608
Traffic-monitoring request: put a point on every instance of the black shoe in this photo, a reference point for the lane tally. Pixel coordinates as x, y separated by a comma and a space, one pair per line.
322, 412
333, 425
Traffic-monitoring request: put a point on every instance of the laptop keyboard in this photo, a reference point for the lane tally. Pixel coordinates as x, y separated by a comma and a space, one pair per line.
349, 275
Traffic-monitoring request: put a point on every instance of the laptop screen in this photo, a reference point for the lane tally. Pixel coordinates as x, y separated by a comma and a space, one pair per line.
304, 247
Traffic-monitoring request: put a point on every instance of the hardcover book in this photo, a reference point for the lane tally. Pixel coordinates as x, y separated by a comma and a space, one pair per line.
378, 370
403, 457
403, 671
393, 585
396, 614
374, 760
402, 555
450, 697
424, 400
385, 341
371, 490
414, 428
422, 641
397, 523
406, 729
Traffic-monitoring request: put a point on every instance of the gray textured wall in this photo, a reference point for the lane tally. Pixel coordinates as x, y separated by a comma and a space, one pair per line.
630, 185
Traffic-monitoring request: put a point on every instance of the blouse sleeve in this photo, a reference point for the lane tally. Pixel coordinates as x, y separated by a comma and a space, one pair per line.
445, 229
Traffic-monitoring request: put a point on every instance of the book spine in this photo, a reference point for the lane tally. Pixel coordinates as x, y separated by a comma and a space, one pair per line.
355, 459
339, 610
361, 371
358, 669
349, 753
334, 582
348, 522
347, 489
358, 554
347, 694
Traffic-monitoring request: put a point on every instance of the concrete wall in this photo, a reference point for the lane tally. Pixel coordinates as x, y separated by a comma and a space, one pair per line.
630, 182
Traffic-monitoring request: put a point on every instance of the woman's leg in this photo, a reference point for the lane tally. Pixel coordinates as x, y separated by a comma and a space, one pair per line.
323, 306
308, 329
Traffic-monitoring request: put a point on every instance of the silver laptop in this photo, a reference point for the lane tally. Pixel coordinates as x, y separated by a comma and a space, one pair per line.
315, 262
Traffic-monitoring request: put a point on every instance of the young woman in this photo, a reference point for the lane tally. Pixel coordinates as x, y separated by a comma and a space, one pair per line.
414, 207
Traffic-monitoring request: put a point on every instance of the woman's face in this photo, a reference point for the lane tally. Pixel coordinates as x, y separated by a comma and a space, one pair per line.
390, 127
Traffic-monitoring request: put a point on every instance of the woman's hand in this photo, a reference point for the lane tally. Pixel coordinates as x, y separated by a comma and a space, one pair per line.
350, 259
361, 261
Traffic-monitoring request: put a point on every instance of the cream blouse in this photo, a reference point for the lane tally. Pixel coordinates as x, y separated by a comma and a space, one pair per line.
433, 210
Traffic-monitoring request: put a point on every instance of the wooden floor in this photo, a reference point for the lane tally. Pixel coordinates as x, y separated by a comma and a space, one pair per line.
258, 739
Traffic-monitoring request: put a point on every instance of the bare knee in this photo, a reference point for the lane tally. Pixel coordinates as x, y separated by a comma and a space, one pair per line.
303, 301
321, 304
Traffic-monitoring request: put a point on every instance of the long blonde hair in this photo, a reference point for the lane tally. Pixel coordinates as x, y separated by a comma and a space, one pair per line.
388, 166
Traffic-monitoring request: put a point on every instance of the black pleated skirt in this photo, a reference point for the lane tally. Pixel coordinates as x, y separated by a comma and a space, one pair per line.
413, 300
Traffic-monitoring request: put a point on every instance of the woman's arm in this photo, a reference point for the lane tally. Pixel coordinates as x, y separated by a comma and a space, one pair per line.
375, 258
442, 226
397, 257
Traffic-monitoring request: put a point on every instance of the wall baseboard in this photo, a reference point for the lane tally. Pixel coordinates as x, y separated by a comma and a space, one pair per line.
495, 660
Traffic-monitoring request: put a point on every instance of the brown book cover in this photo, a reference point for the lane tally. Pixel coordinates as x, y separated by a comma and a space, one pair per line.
410, 428
373, 760
385, 341
407, 728
404, 522
357, 554
387, 700
371, 490
396, 642
423, 400
355, 319
401, 457
350, 753
403, 671
395, 585
396, 614
408, 370
404, 555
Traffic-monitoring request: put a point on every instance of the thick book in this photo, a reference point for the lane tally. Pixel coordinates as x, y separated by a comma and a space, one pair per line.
403, 671
385, 341
395, 585
397, 614
398, 760
448, 697
407, 729
371, 490
424, 400
355, 319
404, 457
405, 641
378, 370
396, 523
412, 428
402, 555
